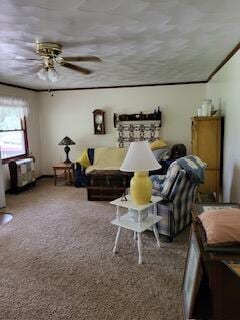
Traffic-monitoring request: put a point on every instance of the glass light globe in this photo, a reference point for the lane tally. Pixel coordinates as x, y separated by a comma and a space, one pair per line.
43, 74
53, 75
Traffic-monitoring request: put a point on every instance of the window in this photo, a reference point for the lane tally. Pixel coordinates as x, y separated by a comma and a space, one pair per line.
13, 129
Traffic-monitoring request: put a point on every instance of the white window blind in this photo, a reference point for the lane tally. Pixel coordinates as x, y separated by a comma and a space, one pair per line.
12, 110
12, 129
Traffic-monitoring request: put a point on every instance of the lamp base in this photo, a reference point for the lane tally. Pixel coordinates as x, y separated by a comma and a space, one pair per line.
141, 188
67, 149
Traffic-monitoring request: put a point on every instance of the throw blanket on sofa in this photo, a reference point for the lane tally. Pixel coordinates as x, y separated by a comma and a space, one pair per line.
109, 158
194, 168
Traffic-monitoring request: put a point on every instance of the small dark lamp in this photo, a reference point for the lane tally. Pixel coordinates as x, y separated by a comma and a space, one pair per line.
66, 142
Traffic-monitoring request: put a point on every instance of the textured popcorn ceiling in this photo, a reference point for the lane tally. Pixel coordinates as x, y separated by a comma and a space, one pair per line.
139, 41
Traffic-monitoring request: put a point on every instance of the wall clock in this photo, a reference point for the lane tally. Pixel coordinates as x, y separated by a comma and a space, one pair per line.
98, 121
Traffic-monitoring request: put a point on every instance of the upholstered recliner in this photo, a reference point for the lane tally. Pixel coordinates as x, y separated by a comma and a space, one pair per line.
177, 188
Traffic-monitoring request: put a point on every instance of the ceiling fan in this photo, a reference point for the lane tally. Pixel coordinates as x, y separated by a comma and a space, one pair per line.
50, 54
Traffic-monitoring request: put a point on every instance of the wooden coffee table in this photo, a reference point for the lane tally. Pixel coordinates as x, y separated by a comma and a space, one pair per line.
108, 185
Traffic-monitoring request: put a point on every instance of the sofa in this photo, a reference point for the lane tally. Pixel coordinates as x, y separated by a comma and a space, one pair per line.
99, 170
93, 159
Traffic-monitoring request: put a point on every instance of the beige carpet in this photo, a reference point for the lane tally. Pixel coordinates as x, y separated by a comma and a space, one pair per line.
56, 262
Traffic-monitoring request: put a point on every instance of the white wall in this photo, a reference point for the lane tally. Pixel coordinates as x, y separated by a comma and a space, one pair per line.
33, 126
70, 113
224, 89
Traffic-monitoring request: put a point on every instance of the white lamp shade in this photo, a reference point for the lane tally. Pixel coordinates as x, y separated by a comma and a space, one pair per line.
139, 158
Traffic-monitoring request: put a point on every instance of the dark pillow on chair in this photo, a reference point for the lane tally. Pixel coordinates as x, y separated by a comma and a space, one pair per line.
178, 151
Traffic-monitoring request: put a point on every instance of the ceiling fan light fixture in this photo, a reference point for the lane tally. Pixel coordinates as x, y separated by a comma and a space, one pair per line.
50, 54
43, 74
48, 74
53, 75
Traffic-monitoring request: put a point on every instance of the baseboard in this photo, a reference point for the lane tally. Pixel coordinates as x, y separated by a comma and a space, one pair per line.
44, 176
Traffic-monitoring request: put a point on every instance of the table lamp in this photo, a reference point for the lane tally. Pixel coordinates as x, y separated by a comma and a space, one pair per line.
66, 142
140, 159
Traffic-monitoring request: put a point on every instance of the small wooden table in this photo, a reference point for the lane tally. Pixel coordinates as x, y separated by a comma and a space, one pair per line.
65, 170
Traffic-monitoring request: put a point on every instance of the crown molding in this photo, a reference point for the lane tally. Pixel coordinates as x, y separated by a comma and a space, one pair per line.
126, 86
17, 86
228, 57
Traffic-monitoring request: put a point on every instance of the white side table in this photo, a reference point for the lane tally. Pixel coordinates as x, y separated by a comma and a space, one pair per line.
139, 226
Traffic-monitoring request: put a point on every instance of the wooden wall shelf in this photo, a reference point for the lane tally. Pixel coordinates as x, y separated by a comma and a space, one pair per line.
136, 117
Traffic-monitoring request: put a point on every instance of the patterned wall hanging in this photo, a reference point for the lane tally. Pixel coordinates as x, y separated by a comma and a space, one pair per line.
137, 132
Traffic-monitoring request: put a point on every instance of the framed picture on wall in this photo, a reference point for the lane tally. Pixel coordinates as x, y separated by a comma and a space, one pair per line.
192, 276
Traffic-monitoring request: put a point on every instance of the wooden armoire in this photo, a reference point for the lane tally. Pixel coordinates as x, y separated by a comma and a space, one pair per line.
207, 143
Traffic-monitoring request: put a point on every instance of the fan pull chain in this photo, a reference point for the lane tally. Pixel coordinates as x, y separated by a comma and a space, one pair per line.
49, 88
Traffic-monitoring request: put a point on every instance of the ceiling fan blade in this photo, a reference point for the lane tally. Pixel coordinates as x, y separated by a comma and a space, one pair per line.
76, 68
19, 59
83, 58
30, 59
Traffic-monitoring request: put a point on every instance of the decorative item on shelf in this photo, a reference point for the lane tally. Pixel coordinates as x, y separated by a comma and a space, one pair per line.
205, 108
66, 142
98, 121
156, 116
214, 113
210, 107
140, 185
199, 112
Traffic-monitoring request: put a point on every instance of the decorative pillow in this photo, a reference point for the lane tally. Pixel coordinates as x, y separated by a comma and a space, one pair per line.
222, 227
158, 144
84, 160
162, 154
